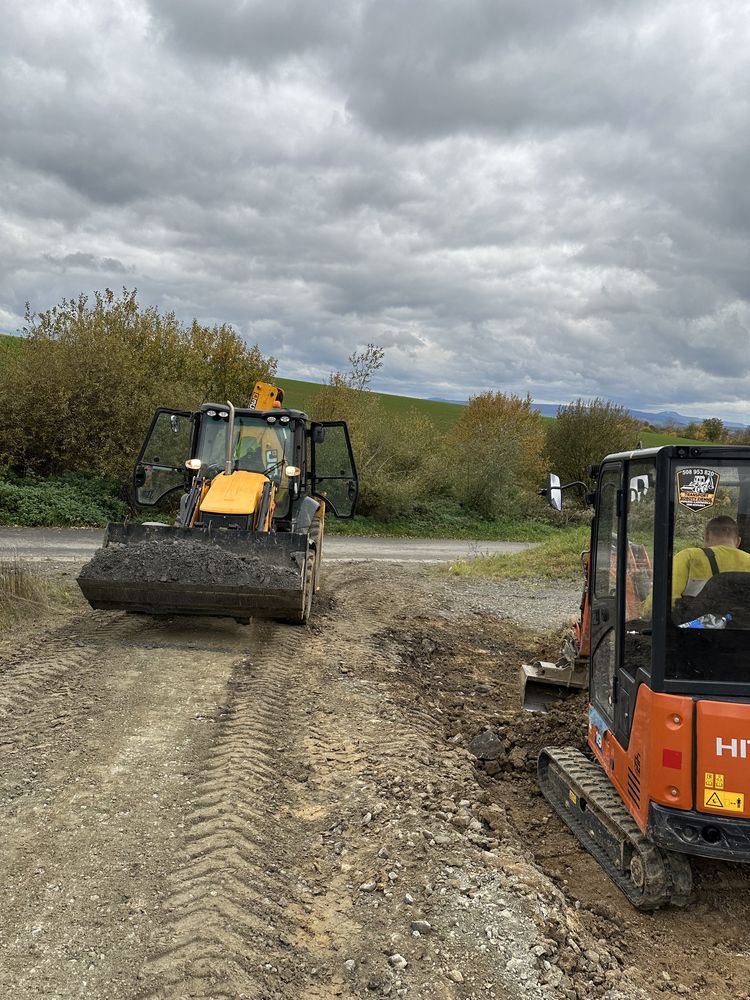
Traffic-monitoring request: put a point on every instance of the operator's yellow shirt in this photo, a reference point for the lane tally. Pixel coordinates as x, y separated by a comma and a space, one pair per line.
691, 568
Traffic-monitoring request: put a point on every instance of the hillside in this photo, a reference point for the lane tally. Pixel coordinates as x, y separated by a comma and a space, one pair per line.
301, 395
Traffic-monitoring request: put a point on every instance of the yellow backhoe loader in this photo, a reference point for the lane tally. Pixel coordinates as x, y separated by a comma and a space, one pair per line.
256, 485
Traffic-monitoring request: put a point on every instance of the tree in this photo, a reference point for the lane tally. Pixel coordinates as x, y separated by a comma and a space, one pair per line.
713, 429
493, 456
584, 432
393, 451
80, 392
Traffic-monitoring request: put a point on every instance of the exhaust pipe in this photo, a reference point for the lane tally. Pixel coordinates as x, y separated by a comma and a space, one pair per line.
229, 463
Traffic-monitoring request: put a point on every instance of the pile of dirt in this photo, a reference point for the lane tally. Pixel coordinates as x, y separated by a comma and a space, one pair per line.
188, 562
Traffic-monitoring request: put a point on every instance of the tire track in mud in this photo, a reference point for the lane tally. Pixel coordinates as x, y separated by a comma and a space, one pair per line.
45, 685
231, 930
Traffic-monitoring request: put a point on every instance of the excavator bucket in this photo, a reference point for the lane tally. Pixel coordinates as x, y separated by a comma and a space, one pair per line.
161, 570
544, 684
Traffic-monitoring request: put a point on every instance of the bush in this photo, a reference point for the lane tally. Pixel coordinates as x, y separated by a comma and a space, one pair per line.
71, 499
492, 459
583, 433
393, 453
79, 392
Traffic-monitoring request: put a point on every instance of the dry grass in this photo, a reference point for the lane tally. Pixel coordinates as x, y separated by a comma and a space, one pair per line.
24, 591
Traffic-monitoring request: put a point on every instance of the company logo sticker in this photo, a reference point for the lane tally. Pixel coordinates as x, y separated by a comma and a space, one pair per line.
696, 488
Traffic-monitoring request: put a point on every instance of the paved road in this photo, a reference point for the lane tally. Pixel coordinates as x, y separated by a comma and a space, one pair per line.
79, 544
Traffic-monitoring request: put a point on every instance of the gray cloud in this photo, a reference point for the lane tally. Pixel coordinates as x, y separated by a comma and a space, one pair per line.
514, 195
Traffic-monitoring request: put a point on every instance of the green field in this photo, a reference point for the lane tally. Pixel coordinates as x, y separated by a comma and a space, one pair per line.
300, 396
8, 343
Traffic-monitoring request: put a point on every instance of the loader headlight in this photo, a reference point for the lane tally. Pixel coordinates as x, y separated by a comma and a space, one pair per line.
291, 471
283, 420
193, 463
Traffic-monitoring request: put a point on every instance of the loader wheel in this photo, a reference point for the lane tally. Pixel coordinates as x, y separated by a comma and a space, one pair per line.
308, 591
311, 571
316, 539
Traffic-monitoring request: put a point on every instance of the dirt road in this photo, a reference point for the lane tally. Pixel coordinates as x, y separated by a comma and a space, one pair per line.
205, 810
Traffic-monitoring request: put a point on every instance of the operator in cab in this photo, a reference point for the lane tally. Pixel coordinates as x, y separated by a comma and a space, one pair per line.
693, 567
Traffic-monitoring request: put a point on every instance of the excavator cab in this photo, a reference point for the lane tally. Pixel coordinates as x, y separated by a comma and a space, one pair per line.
668, 631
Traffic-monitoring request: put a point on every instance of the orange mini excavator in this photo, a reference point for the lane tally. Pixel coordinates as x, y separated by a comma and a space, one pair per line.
668, 674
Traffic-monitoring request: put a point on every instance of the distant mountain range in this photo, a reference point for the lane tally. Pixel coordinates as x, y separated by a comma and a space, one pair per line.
660, 419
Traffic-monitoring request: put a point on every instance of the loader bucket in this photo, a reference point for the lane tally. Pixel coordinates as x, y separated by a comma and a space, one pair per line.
544, 684
161, 570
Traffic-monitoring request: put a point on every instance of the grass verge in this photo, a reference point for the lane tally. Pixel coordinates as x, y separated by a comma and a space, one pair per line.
446, 519
556, 558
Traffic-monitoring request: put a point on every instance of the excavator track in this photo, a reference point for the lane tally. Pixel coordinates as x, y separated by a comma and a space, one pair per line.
581, 794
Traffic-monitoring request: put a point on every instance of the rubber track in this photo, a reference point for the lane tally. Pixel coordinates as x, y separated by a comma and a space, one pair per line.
667, 875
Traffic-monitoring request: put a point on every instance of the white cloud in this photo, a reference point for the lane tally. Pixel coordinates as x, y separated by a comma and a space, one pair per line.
513, 195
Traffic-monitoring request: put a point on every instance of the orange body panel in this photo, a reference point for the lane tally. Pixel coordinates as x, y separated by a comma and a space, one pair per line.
723, 758
235, 494
657, 765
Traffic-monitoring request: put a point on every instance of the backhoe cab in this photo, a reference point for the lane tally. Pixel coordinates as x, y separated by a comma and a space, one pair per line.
665, 638
255, 486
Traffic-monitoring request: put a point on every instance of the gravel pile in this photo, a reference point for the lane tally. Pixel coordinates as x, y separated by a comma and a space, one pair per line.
187, 562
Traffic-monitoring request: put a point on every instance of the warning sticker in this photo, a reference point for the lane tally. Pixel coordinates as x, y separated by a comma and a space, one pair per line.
572, 796
729, 801
711, 780
696, 488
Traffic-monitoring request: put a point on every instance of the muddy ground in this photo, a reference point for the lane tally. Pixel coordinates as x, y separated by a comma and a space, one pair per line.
197, 809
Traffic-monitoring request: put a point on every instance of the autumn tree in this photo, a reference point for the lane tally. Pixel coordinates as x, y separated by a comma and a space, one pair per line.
493, 456
713, 430
583, 432
80, 391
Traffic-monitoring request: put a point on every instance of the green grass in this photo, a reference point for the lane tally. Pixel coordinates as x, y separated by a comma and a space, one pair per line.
467, 526
654, 439
8, 343
557, 558
301, 396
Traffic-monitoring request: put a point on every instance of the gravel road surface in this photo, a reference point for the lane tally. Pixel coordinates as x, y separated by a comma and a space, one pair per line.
191, 808
79, 544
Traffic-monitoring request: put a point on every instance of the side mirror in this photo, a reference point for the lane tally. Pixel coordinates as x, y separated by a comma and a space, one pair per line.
554, 492
140, 476
174, 422
318, 433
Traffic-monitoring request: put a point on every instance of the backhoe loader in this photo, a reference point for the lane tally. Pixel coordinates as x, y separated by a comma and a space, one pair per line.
667, 665
256, 484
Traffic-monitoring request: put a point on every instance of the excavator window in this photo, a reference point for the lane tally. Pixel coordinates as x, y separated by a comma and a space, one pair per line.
709, 584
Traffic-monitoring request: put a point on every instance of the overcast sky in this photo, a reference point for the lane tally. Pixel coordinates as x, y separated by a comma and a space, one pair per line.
543, 196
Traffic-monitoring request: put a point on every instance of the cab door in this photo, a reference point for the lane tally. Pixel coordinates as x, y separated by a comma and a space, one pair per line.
333, 472
605, 629
160, 468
